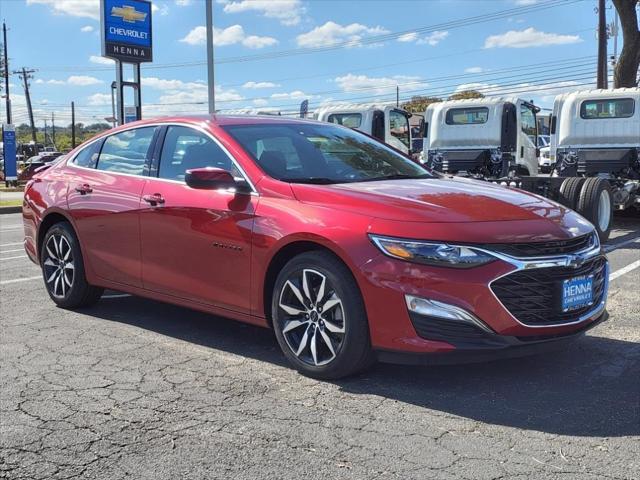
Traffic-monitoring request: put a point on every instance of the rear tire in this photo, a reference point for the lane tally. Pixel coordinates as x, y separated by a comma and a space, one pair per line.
63, 269
595, 203
570, 192
319, 317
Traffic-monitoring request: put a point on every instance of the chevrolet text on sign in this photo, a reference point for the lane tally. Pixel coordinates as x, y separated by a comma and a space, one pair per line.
126, 30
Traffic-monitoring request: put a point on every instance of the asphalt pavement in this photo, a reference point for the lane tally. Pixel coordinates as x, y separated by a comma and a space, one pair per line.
133, 388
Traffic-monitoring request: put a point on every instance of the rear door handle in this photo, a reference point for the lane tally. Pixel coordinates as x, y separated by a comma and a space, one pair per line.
153, 200
84, 189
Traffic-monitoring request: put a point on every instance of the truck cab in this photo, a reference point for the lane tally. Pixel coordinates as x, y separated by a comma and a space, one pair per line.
388, 124
482, 138
596, 133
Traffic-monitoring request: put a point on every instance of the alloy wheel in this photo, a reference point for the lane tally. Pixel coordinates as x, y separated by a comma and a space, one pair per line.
58, 265
312, 319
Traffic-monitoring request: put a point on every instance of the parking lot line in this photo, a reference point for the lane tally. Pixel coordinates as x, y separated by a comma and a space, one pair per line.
13, 258
623, 270
18, 280
10, 244
12, 251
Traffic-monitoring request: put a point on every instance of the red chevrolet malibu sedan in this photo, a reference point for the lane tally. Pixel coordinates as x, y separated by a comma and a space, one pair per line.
347, 249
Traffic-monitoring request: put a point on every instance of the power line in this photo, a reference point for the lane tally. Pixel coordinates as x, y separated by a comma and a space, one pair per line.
452, 24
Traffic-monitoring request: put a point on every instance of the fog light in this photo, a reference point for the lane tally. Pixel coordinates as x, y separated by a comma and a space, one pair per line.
434, 308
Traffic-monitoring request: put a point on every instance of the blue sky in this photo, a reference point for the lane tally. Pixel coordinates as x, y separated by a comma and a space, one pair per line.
419, 45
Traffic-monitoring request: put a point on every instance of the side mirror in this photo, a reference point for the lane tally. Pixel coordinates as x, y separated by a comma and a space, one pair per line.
537, 151
209, 178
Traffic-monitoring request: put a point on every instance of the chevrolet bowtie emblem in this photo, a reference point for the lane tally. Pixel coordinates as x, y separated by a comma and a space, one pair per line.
128, 14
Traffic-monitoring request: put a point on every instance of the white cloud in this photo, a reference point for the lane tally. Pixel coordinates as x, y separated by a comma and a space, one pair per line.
100, 60
183, 3
474, 70
83, 80
529, 37
526, 2
332, 33
87, 28
379, 85
75, 8
163, 9
295, 95
56, 82
408, 37
434, 38
257, 85
227, 36
288, 12
260, 102
99, 99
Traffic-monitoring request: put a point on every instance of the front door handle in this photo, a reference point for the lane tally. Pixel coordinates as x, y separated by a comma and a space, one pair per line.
153, 200
84, 189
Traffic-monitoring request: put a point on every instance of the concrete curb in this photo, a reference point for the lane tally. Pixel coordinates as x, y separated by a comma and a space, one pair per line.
14, 209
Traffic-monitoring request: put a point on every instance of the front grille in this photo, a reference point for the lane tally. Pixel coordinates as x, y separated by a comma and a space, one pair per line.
534, 297
541, 249
450, 331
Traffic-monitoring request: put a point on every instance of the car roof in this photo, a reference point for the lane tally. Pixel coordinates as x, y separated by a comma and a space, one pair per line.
222, 120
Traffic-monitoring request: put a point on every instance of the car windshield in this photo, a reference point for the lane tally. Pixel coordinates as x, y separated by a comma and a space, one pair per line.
325, 154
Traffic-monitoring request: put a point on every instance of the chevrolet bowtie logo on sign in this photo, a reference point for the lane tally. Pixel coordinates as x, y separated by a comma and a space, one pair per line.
126, 30
128, 14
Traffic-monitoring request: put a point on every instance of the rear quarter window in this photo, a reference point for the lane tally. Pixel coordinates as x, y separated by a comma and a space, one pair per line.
351, 120
607, 108
88, 156
467, 116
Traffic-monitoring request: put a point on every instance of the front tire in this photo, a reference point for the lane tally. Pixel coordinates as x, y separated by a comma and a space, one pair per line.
63, 269
319, 317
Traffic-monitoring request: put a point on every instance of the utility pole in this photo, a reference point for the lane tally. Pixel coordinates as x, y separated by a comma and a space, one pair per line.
53, 129
7, 100
210, 72
44, 142
397, 95
602, 45
25, 76
73, 125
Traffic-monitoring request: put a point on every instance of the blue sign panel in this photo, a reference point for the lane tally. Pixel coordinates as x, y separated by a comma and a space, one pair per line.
9, 147
126, 30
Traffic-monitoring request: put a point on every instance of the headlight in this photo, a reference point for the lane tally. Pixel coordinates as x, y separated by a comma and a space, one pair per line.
432, 253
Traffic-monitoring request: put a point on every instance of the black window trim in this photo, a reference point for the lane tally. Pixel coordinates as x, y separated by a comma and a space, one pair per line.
583, 102
451, 109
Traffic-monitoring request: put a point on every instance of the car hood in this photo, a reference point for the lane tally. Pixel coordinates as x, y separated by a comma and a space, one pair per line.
438, 200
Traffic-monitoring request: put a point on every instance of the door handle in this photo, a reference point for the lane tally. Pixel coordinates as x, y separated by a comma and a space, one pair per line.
84, 189
153, 200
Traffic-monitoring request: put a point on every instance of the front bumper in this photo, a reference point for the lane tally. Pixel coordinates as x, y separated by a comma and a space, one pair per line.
512, 312
489, 347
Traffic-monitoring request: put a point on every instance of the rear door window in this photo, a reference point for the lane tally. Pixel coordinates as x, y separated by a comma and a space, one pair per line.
607, 108
127, 152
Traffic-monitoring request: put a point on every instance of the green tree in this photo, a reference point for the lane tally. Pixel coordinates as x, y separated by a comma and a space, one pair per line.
419, 103
466, 95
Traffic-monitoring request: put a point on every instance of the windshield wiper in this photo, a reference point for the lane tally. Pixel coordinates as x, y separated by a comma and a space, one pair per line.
312, 180
398, 176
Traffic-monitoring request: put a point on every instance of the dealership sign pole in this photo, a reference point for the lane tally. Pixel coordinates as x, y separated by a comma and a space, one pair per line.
126, 32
